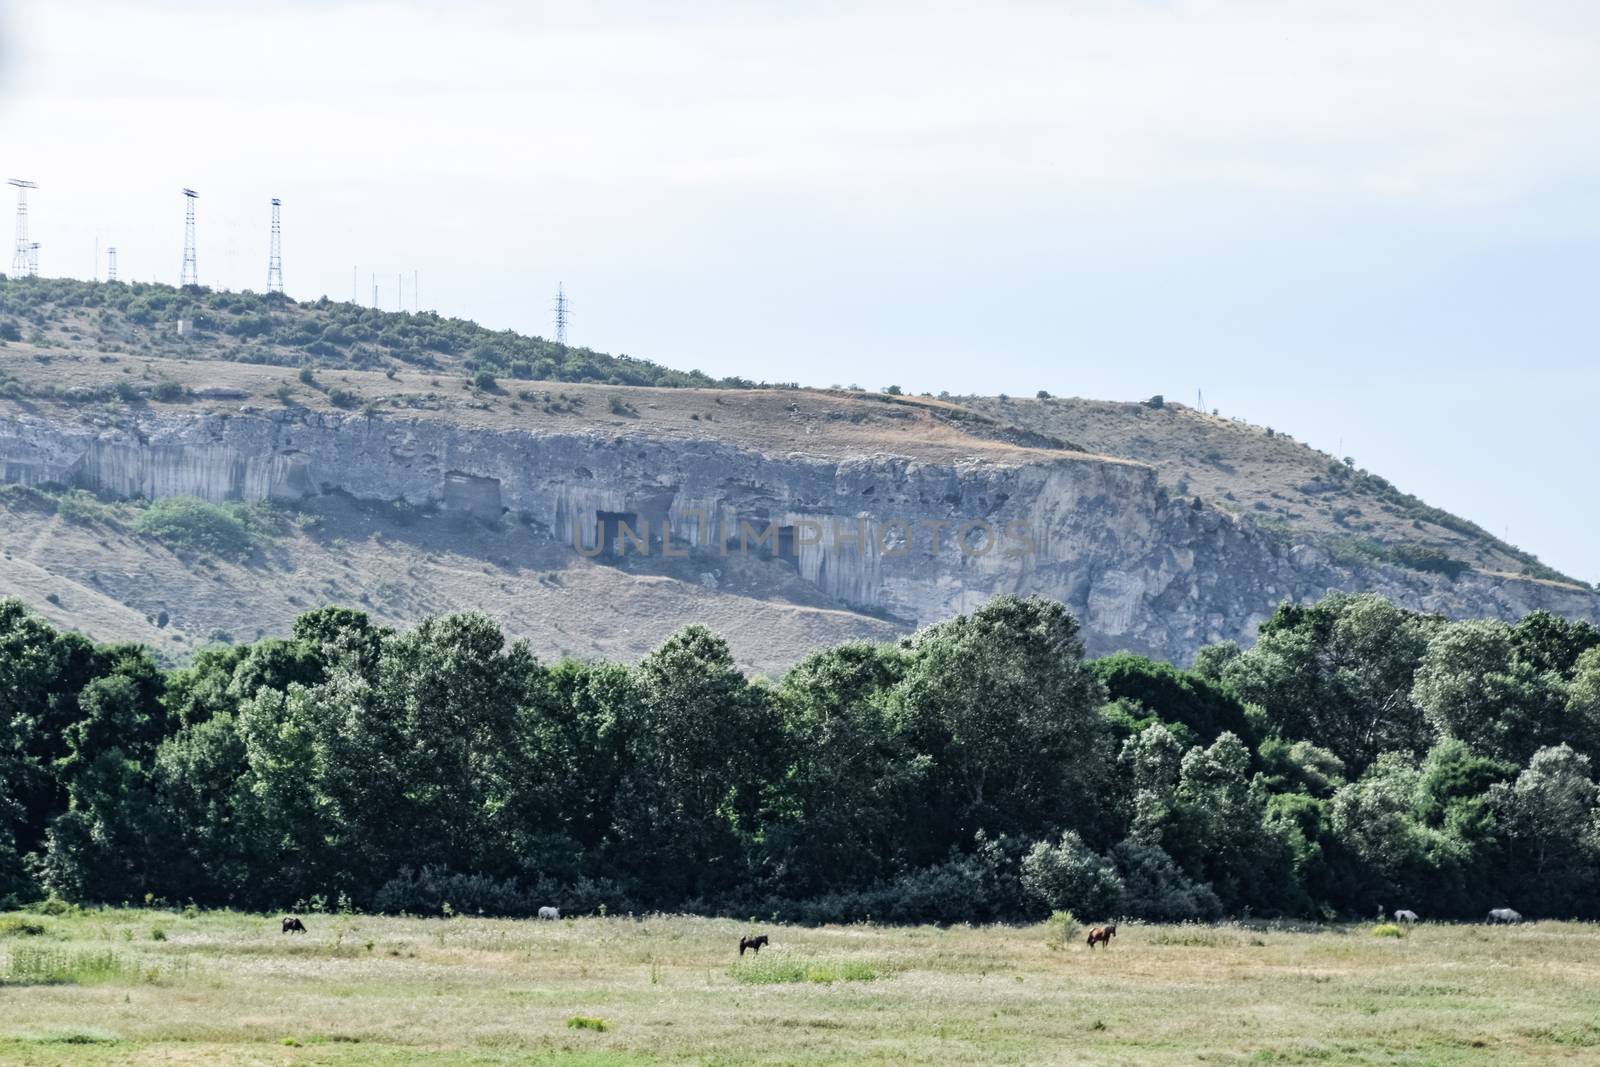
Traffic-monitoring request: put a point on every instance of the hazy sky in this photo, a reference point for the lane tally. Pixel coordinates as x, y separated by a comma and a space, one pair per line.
1373, 225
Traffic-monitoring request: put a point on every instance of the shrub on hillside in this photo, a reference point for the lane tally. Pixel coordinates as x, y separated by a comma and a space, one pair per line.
187, 525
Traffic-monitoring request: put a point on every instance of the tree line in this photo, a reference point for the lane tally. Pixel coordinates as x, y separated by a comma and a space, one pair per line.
1358, 755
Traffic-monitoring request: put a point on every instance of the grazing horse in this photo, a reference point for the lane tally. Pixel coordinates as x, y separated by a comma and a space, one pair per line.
753, 943
548, 912
1102, 935
292, 925
1505, 915
1405, 915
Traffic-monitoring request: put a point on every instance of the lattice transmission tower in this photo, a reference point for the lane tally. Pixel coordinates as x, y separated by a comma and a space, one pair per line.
563, 313
111, 264
190, 274
275, 255
19, 258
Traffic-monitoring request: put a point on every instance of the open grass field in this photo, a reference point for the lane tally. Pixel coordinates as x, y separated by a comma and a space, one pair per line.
145, 987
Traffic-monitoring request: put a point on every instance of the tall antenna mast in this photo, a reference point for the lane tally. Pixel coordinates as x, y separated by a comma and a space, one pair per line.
374, 288
19, 259
111, 264
190, 274
33, 260
275, 254
561, 315
416, 301
399, 292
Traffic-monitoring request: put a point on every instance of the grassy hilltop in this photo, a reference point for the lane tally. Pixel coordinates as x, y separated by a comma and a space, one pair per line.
137, 986
274, 329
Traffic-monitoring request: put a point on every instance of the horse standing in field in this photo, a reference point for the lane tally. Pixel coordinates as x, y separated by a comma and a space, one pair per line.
292, 925
1405, 915
753, 943
1505, 915
1102, 935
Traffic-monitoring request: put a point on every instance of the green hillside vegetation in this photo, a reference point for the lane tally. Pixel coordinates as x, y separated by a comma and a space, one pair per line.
246, 327
981, 769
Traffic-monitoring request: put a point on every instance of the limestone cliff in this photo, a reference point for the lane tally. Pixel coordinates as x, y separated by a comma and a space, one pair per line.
907, 534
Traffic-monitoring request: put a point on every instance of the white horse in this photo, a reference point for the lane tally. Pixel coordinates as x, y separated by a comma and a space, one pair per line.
1405, 915
1505, 915
548, 912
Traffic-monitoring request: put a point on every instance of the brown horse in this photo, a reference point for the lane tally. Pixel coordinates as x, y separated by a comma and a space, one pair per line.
752, 943
1102, 935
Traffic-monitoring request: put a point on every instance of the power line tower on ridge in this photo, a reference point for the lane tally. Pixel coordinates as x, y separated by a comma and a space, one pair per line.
111, 264
33, 259
19, 258
190, 274
563, 313
275, 255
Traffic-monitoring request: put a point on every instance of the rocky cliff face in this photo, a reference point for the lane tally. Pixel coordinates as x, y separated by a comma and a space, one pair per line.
913, 540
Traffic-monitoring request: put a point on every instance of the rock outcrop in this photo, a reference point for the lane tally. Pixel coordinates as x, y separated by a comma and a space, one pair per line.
896, 536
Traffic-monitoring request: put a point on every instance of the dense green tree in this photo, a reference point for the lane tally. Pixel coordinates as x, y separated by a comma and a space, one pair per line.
1212, 660
1071, 876
1004, 711
1339, 673
572, 755
41, 675
1219, 830
1175, 696
700, 747
965, 773
1474, 685
1548, 812
1150, 764
1583, 704
844, 801
1548, 642
1155, 889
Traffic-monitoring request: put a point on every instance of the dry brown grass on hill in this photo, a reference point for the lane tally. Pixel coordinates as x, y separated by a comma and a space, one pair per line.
833, 424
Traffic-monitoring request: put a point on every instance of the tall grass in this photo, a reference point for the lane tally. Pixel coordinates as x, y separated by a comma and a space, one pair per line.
781, 968
27, 965
31, 965
18, 926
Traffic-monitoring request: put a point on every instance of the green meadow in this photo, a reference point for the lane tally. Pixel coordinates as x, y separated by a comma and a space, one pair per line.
135, 986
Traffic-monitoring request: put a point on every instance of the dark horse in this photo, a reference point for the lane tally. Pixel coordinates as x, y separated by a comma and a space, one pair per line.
752, 943
1102, 935
292, 925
